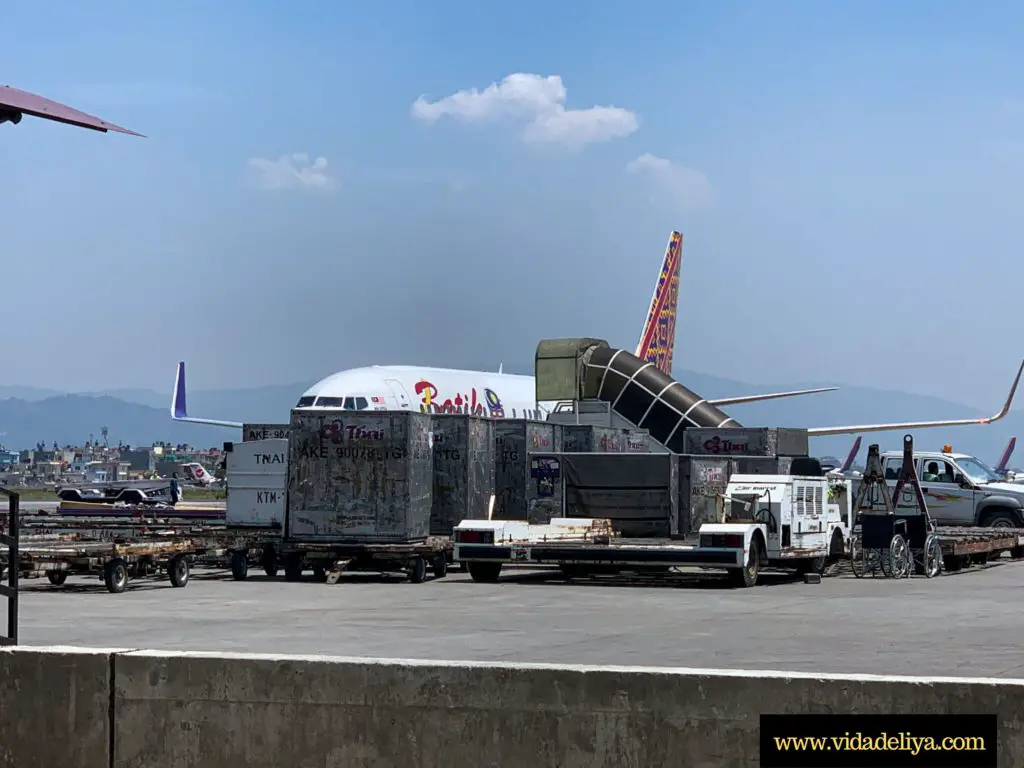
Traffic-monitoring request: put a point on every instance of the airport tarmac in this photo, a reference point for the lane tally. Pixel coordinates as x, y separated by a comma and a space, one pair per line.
965, 624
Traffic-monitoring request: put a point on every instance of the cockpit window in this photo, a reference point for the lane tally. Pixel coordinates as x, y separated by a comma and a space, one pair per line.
362, 404
330, 402
305, 402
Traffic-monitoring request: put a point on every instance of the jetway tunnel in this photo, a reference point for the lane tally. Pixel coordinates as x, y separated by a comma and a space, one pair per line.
634, 389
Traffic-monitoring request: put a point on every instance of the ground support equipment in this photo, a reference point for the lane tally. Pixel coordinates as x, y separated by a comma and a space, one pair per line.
328, 560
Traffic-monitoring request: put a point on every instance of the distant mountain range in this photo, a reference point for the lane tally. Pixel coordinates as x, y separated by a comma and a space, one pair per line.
139, 417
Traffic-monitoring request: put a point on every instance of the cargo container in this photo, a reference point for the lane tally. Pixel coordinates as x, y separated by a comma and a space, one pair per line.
359, 476
702, 482
527, 476
590, 438
463, 470
257, 483
745, 441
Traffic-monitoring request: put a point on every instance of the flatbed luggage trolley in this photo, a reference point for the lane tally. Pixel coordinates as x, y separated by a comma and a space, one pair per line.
895, 542
328, 560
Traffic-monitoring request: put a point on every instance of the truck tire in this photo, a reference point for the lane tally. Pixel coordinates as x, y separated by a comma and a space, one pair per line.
239, 565
115, 576
485, 572
293, 567
1000, 518
747, 576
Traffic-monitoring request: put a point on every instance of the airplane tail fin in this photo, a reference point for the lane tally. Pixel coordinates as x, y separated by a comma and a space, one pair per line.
658, 337
851, 456
179, 409
1001, 468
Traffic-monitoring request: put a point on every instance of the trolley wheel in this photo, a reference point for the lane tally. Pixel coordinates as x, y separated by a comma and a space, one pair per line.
320, 574
484, 572
178, 571
440, 567
239, 565
900, 560
417, 570
293, 567
932, 556
268, 559
57, 577
858, 557
115, 575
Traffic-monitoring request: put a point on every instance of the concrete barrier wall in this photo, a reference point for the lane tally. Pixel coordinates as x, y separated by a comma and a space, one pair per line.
55, 707
226, 710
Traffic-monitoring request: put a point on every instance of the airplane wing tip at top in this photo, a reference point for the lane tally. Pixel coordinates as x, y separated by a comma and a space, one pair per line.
852, 430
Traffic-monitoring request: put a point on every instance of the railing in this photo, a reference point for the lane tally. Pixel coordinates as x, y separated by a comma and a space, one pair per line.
9, 562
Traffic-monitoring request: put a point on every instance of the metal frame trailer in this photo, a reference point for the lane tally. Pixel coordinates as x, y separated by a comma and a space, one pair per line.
114, 562
583, 547
963, 547
118, 549
329, 559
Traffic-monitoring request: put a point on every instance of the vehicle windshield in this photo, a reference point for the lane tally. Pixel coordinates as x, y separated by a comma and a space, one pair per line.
977, 470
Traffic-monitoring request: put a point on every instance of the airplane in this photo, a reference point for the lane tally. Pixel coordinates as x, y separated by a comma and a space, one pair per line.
1001, 469
16, 103
481, 393
195, 473
845, 468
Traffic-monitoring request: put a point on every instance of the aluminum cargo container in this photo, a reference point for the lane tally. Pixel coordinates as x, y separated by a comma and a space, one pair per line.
257, 483
702, 482
463, 470
639, 493
252, 432
745, 441
527, 482
590, 438
359, 476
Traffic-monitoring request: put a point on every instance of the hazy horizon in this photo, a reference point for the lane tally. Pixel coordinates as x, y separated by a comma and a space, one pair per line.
845, 176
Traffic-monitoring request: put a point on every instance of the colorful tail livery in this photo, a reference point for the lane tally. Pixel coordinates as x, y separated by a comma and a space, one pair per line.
658, 338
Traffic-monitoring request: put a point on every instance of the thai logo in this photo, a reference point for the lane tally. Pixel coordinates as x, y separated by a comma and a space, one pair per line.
718, 445
337, 432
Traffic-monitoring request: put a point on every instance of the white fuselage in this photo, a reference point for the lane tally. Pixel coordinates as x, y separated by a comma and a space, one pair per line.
429, 390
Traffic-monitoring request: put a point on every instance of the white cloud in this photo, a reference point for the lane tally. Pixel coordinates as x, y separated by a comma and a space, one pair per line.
536, 99
683, 186
292, 172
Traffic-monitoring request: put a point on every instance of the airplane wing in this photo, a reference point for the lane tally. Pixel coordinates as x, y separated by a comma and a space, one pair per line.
15, 102
772, 396
853, 430
179, 412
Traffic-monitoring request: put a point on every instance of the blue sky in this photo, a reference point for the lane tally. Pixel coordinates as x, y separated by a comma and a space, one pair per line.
847, 176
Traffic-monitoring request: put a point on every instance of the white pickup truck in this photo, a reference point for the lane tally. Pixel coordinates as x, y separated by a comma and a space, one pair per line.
960, 489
